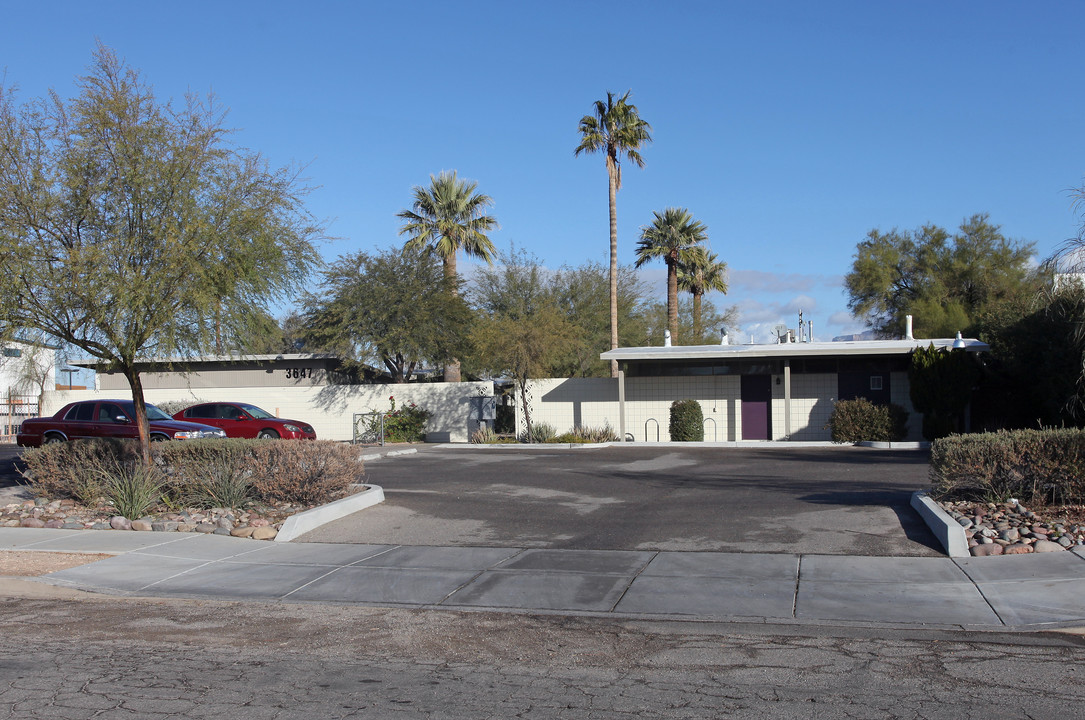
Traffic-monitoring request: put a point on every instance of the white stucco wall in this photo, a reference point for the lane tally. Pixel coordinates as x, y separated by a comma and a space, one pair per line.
19, 375
330, 409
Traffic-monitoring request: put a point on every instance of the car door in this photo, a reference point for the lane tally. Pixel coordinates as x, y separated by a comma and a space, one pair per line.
206, 414
79, 422
113, 421
236, 422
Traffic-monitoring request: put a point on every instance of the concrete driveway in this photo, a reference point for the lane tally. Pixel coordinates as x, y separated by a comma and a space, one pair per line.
830, 500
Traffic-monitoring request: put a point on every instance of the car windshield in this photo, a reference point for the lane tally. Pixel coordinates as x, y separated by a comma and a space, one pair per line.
154, 413
256, 412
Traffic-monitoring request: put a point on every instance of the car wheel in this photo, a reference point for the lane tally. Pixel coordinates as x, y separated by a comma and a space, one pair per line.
53, 438
267, 435
159, 438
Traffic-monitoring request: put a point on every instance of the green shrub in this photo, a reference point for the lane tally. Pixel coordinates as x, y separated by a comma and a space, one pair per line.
583, 435
130, 487
402, 424
225, 482
861, 420
687, 421
1033, 466
541, 432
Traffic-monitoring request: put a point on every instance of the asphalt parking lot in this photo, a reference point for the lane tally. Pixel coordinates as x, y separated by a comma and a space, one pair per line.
825, 500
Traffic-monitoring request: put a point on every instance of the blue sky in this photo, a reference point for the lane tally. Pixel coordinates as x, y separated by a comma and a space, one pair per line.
791, 129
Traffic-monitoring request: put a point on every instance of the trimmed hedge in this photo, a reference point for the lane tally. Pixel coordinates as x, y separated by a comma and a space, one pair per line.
1033, 466
860, 420
199, 473
687, 421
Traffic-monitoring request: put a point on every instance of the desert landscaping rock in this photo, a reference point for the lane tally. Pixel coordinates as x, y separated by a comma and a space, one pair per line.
261, 523
1013, 528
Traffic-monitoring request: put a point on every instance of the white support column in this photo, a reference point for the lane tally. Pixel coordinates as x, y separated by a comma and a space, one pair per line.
787, 399
621, 404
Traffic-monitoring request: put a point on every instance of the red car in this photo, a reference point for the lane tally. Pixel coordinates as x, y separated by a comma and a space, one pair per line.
241, 420
107, 418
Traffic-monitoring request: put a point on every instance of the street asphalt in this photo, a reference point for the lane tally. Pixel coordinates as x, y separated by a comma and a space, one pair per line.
656, 578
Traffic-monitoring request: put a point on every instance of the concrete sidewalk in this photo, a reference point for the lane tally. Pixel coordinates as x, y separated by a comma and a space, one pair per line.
1026, 592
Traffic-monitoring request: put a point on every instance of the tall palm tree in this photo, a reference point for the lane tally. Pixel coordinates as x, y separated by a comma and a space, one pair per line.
445, 218
616, 130
672, 234
701, 271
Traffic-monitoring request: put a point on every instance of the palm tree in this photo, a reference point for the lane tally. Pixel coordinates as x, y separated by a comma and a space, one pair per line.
445, 218
699, 272
616, 130
671, 235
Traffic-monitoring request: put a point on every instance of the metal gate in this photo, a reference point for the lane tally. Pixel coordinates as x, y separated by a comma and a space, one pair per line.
13, 410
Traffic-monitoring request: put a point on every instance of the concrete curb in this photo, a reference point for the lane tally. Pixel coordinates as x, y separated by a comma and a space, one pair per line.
944, 527
303, 522
923, 445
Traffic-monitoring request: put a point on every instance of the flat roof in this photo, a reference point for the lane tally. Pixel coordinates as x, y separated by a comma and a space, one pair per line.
786, 350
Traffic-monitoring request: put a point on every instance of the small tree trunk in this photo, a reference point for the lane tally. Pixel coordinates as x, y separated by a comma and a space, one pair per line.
143, 427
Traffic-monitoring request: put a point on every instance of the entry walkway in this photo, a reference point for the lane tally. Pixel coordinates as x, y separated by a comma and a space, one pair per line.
1026, 592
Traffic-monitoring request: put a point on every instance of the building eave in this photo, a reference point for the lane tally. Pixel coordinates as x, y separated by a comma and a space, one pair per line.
210, 359
786, 350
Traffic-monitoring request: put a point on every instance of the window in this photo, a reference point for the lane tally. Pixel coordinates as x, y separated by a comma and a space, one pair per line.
228, 412
875, 382
201, 411
83, 412
108, 412
13, 352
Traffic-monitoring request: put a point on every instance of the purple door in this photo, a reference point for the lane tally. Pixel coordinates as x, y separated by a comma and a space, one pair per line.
756, 404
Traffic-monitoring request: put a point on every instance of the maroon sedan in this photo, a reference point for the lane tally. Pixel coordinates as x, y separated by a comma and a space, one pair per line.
107, 418
241, 420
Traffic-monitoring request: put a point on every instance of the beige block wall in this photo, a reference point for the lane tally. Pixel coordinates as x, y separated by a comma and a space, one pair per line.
592, 402
330, 409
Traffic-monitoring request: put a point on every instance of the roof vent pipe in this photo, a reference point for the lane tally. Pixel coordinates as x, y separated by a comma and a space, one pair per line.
908, 327
723, 337
809, 331
666, 338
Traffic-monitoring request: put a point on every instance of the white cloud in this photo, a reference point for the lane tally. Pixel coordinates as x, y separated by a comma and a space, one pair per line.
843, 318
760, 281
805, 303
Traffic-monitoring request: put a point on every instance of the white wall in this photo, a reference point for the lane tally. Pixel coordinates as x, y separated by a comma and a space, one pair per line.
35, 361
330, 409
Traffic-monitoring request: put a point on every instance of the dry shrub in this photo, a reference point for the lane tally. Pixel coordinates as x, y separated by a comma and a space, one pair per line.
1035, 466
73, 469
304, 472
206, 473
197, 473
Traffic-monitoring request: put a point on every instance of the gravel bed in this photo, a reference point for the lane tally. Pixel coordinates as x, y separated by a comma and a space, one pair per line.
1012, 529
